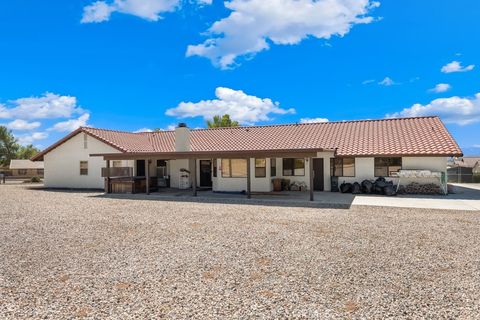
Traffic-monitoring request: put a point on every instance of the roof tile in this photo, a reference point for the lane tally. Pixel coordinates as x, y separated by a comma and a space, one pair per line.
402, 136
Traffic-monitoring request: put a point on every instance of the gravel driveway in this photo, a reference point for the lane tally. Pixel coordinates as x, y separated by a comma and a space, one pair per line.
77, 254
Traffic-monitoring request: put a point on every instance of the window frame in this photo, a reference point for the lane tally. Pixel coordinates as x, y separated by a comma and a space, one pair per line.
264, 167
214, 169
84, 171
334, 162
293, 163
85, 141
273, 167
387, 165
116, 161
230, 166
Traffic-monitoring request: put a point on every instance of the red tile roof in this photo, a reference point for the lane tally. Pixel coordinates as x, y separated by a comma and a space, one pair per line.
404, 136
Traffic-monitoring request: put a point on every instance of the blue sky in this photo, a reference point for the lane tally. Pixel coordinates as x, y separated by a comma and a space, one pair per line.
135, 64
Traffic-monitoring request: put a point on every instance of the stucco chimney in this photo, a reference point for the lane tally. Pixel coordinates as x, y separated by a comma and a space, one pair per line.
182, 137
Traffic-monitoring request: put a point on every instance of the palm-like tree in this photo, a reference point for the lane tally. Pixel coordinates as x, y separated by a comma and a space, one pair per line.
222, 121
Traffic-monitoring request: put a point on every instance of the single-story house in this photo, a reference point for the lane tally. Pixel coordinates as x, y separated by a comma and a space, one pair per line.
248, 158
26, 168
464, 170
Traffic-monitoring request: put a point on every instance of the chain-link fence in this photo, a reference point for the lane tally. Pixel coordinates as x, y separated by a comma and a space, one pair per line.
462, 175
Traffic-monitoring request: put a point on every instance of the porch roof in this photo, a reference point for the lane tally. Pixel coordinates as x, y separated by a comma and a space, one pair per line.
235, 154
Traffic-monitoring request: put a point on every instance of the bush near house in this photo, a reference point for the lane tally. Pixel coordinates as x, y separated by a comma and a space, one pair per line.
33, 180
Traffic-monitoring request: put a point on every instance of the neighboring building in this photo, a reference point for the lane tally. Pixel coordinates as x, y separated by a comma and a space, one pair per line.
464, 170
25, 168
304, 153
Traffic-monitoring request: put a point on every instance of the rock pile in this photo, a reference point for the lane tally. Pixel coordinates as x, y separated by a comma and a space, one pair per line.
417, 188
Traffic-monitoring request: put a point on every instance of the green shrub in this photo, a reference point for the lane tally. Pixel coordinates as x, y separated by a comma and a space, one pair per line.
476, 178
35, 179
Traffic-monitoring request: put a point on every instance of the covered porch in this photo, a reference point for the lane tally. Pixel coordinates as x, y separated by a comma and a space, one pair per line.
187, 171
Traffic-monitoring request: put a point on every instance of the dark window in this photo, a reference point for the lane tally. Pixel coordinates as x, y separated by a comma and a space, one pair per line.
273, 167
293, 167
387, 167
215, 168
260, 168
22, 172
342, 167
84, 168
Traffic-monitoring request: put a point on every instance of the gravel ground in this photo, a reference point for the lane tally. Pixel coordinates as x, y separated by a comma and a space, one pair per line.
78, 254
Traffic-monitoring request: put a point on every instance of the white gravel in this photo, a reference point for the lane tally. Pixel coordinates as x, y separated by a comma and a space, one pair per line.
79, 254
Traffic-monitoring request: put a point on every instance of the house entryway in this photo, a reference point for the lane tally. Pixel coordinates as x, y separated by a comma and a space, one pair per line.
140, 168
318, 183
206, 173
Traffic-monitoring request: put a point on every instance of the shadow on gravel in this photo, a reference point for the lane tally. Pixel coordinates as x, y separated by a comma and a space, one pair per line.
60, 190
293, 203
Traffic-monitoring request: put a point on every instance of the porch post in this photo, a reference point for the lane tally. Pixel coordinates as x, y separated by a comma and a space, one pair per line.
310, 163
107, 187
249, 191
147, 176
194, 178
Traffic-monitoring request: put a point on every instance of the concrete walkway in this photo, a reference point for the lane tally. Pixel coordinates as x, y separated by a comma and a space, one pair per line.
466, 197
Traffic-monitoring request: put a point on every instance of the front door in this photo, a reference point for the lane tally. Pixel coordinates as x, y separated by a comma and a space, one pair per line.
318, 174
140, 168
205, 173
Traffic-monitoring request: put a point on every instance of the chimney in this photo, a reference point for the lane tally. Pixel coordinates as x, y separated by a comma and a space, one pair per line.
182, 137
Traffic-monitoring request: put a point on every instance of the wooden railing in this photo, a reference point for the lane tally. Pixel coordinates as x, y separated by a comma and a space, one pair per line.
117, 172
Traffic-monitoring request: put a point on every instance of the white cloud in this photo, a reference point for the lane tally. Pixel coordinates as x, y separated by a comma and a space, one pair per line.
441, 87
72, 124
313, 120
100, 11
31, 138
19, 124
253, 25
387, 82
170, 127
456, 66
369, 81
241, 107
455, 109
48, 106
143, 130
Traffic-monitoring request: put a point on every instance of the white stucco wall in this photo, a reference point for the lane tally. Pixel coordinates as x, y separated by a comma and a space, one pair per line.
174, 170
265, 184
62, 164
365, 169
62, 168
240, 184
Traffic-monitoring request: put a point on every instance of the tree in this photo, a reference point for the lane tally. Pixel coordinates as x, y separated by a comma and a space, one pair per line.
8, 146
222, 121
26, 152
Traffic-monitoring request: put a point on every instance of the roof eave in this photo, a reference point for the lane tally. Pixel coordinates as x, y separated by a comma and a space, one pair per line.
39, 156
